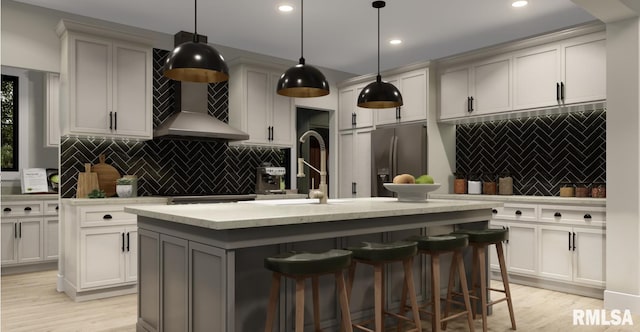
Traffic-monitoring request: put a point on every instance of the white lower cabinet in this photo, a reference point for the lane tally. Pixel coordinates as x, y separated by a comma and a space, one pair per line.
573, 254
29, 231
519, 257
557, 243
100, 245
105, 256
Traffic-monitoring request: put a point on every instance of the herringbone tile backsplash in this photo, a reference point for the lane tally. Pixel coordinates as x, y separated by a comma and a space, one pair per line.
171, 167
541, 152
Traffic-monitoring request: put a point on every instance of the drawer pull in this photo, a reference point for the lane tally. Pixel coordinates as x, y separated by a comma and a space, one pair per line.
107, 216
7, 210
518, 213
557, 214
494, 211
587, 216
28, 208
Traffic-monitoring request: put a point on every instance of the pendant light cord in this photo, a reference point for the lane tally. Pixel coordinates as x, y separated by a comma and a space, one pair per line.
302, 31
195, 21
378, 42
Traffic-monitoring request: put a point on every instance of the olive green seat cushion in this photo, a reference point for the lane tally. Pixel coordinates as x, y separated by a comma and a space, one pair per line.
450, 242
491, 235
380, 252
301, 263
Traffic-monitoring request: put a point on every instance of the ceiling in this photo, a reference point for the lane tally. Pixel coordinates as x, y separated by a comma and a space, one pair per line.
341, 34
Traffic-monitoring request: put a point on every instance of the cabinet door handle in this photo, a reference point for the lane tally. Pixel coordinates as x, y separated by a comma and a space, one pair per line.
20, 230
107, 216
57, 208
15, 230
110, 120
122, 241
569, 241
574, 241
557, 214
562, 91
557, 92
398, 112
353, 188
518, 213
272, 133
115, 121
507, 234
7, 210
355, 119
469, 104
494, 211
128, 241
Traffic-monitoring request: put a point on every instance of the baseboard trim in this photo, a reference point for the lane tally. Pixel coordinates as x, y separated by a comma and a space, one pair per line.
557, 286
37, 267
622, 301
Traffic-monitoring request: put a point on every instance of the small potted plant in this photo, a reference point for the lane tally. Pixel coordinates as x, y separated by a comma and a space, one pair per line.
124, 187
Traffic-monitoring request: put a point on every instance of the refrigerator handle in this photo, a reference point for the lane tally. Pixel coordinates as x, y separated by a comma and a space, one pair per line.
395, 154
392, 171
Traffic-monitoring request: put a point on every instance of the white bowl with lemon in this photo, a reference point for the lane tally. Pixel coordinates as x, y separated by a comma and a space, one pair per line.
411, 189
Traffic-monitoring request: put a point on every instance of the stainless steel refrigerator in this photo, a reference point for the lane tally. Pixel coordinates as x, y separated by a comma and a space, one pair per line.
397, 150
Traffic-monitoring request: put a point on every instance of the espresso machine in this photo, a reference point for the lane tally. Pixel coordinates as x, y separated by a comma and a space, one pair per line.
268, 179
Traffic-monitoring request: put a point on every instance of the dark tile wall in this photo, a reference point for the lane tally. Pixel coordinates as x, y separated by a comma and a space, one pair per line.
540, 152
171, 167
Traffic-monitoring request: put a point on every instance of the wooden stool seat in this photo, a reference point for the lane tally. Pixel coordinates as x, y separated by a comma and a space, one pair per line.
304, 265
480, 240
378, 255
434, 246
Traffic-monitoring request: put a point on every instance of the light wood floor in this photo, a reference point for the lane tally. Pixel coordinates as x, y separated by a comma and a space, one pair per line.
30, 303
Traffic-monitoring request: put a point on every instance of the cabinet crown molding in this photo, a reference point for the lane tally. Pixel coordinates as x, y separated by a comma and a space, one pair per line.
70, 25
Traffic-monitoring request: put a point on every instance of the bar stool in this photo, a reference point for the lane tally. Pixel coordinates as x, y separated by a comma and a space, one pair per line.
378, 255
480, 240
434, 246
304, 265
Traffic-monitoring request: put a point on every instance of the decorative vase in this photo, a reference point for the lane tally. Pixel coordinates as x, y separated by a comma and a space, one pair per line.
124, 190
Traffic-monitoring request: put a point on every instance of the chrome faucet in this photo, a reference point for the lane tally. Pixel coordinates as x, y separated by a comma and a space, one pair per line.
321, 193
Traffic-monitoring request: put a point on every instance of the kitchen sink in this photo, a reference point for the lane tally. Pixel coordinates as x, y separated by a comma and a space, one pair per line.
301, 201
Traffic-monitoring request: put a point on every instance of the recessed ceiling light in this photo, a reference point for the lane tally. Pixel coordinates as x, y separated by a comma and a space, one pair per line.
395, 41
519, 3
285, 8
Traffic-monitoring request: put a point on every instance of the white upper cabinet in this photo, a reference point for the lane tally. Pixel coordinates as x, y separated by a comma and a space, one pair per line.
413, 86
585, 69
354, 163
567, 72
52, 113
350, 116
480, 88
559, 73
256, 108
106, 83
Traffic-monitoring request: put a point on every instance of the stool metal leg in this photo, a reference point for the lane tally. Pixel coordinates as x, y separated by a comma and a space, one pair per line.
344, 302
299, 304
316, 303
273, 301
409, 285
505, 282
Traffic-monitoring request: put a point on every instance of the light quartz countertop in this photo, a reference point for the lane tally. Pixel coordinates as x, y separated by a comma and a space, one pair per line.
29, 197
116, 200
249, 214
576, 201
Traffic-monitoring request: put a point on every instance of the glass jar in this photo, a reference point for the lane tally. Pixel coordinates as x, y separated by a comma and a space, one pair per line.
460, 183
489, 184
599, 190
567, 189
582, 190
505, 184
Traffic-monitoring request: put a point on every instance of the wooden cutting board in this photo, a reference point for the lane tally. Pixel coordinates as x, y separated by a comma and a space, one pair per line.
107, 176
87, 182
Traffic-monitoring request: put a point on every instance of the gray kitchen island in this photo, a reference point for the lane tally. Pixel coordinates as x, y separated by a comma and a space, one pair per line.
200, 266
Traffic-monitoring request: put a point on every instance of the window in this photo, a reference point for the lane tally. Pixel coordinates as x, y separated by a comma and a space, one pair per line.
9, 122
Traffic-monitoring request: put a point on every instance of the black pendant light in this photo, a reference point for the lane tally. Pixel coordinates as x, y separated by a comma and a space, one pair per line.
302, 80
379, 94
195, 61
